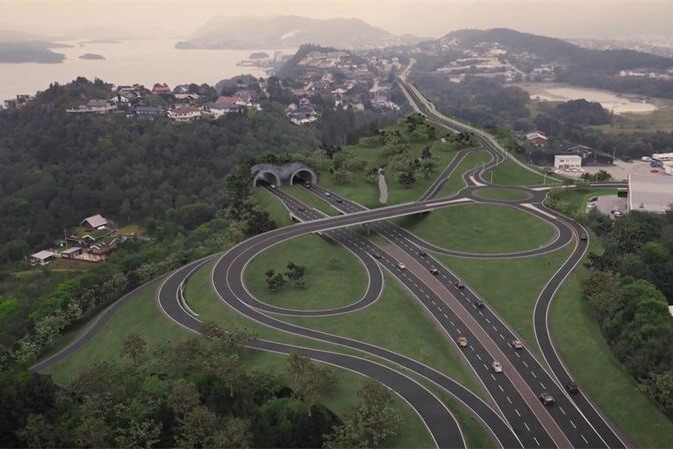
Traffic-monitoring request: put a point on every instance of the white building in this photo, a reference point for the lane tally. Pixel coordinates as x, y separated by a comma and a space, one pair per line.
650, 193
185, 114
567, 161
41, 257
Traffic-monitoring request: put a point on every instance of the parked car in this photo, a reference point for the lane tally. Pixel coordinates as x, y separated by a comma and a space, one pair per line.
547, 399
497, 367
462, 342
516, 344
572, 387
401, 266
434, 271
339, 200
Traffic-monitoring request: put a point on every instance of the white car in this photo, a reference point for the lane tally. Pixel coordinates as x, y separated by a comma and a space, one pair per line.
591, 205
401, 266
497, 367
618, 213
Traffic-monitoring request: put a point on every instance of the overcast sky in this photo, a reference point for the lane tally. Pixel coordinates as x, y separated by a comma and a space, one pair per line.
164, 18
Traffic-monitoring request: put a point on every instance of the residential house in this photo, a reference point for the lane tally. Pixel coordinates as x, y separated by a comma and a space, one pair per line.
161, 89
148, 111
94, 222
217, 110
41, 257
243, 98
186, 97
225, 100
93, 107
537, 139
72, 253
184, 114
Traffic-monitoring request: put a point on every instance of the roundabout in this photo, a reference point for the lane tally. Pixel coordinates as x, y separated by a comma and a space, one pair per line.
502, 194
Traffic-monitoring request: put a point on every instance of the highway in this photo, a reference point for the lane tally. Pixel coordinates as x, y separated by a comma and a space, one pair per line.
512, 414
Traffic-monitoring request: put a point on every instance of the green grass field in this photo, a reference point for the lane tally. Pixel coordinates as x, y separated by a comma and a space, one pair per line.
334, 277
455, 183
480, 228
309, 199
511, 174
586, 353
273, 206
510, 286
501, 193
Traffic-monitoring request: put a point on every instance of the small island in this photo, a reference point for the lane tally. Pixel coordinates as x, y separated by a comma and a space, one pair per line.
92, 56
259, 55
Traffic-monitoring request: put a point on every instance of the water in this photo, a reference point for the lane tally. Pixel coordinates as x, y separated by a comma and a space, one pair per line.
620, 104
141, 61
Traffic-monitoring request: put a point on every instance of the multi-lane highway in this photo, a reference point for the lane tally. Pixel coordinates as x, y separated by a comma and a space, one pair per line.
512, 414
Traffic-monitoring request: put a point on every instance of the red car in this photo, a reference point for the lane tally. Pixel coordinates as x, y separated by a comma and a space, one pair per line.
654, 171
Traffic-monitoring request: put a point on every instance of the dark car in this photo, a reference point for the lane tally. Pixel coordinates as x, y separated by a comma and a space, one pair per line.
339, 200
434, 271
572, 387
479, 303
422, 253
547, 399
301, 209
376, 255
583, 236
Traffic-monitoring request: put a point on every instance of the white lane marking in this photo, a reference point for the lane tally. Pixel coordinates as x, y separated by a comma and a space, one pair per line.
533, 374
501, 388
562, 411
446, 316
478, 356
573, 424
481, 313
486, 367
509, 400
542, 385
493, 377
517, 413
517, 354
527, 428
502, 336
585, 440
452, 323
494, 328
536, 441
530, 206
434, 303
488, 321
525, 364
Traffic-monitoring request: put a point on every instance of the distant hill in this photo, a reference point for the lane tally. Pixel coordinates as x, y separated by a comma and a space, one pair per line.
91, 56
23, 52
288, 32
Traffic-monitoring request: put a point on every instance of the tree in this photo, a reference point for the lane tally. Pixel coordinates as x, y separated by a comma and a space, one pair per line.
38, 432
406, 179
134, 347
295, 273
275, 281
426, 168
308, 381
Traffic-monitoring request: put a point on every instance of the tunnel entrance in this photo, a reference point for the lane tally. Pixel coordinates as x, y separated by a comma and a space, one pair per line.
266, 178
303, 176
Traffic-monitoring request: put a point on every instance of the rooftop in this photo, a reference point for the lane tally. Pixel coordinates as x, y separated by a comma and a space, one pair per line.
650, 193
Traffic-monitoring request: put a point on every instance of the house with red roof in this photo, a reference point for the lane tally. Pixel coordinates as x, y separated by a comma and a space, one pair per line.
161, 89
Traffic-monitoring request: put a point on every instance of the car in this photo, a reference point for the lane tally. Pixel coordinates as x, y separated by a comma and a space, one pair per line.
422, 253
459, 284
434, 271
497, 367
462, 342
572, 387
328, 194
591, 205
307, 185
401, 266
516, 344
654, 171
592, 199
479, 303
273, 186
583, 236
376, 255
546, 399
339, 200
301, 209
618, 213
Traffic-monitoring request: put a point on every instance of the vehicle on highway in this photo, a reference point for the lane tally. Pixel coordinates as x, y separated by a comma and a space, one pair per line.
401, 266
434, 271
479, 303
422, 253
459, 284
583, 236
339, 200
593, 199
591, 205
654, 171
516, 344
546, 399
301, 209
462, 342
376, 255
572, 387
328, 194
497, 367
273, 186
618, 213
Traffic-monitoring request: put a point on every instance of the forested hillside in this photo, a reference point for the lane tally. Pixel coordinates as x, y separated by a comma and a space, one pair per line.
56, 169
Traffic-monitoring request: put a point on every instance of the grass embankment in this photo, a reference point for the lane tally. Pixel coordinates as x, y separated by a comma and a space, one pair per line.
480, 228
455, 182
367, 194
306, 197
501, 193
334, 277
512, 174
585, 352
273, 206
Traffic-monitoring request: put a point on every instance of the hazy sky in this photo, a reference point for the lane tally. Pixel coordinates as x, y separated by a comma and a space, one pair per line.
164, 18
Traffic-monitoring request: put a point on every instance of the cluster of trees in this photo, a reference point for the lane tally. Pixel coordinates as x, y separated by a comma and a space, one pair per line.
630, 286
192, 393
128, 170
580, 111
294, 273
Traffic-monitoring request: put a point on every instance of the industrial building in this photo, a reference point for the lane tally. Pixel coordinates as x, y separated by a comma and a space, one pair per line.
650, 193
567, 161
